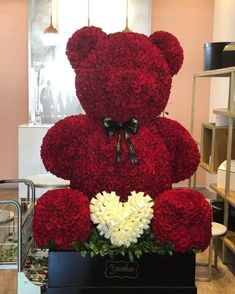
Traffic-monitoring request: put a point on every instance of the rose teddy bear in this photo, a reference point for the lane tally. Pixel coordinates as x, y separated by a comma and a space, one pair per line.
123, 143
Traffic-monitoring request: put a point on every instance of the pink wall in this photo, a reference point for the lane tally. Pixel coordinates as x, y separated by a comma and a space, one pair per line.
192, 23
13, 81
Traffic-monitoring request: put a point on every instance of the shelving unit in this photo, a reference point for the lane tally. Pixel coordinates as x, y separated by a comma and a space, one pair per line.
213, 147
218, 144
229, 241
223, 111
221, 192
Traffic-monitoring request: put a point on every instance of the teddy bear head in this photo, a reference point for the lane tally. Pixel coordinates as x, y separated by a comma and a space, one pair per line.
123, 75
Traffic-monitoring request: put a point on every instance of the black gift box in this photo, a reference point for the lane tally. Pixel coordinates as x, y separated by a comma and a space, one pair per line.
70, 273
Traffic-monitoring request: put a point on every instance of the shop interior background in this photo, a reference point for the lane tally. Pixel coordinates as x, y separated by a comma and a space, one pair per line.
51, 77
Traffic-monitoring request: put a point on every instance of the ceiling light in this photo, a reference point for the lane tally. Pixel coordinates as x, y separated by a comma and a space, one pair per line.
50, 33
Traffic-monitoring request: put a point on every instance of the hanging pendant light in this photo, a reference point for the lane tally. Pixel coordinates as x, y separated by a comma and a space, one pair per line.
50, 33
126, 30
50, 29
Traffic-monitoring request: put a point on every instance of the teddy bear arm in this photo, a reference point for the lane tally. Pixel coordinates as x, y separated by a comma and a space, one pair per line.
59, 150
183, 150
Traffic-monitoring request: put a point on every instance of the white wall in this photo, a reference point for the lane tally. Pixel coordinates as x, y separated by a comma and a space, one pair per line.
224, 21
223, 31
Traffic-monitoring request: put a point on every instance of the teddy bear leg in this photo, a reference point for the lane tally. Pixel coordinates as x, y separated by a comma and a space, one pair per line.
61, 217
182, 217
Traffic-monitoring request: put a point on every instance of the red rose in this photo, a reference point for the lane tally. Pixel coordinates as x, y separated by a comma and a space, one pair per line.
61, 216
182, 217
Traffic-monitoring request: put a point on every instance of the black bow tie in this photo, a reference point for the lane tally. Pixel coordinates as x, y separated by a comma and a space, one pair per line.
131, 126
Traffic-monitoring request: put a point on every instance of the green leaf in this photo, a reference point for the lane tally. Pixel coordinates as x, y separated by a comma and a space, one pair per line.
137, 253
99, 245
130, 255
83, 253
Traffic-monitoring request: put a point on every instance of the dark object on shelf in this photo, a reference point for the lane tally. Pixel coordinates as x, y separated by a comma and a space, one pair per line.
213, 55
218, 210
228, 56
70, 273
218, 213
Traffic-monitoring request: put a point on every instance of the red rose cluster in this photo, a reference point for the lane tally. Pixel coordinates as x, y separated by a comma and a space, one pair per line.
119, 74
122, 76
182, 217
170, 48
79, 47
61, 217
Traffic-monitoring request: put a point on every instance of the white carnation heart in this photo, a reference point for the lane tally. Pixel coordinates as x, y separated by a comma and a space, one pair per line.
121, 222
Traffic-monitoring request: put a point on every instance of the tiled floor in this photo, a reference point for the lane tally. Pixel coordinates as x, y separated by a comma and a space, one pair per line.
223, 282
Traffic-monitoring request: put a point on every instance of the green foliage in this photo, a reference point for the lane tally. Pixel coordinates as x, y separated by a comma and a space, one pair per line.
98, 245
8, 253
51, 245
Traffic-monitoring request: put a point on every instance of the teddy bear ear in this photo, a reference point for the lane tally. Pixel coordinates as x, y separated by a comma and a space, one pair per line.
81, 43
170, 48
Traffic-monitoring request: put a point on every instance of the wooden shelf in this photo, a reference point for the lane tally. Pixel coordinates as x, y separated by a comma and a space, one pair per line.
213, 147
224, 112
229, 240
231, 196
207, 167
